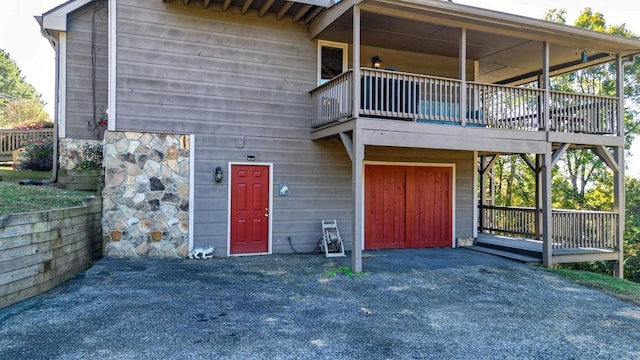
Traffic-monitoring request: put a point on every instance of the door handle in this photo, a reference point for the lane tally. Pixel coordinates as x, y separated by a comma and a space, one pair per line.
266, 215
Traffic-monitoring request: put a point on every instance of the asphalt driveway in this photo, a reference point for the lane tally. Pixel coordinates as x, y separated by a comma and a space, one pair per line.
420, 304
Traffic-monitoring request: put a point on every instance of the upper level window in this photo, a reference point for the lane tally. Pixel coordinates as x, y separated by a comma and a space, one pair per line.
332, 60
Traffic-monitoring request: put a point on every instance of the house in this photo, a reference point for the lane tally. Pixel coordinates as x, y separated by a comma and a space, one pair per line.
241, 124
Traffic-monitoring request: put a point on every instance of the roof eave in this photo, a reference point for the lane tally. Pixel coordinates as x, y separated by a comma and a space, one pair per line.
56, 18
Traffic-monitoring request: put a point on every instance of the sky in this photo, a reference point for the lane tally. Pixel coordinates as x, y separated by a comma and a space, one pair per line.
20, 36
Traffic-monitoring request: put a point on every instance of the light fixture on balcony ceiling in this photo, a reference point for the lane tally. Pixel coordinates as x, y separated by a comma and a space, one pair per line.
376, 62
584, 56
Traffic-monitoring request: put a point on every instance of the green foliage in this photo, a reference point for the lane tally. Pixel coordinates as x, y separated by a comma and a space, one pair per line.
557, 16
515, 182
37, 156
19, 98
23, 114
93, 157
619, 288
344, 270
632, 230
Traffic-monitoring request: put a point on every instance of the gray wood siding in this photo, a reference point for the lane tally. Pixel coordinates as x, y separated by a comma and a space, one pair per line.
465, 171
240, 84
79, 99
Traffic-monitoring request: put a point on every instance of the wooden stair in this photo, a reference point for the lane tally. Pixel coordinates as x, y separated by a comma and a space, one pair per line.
523, 250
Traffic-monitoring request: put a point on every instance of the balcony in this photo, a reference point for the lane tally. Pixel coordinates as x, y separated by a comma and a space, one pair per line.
577, 235
418, 98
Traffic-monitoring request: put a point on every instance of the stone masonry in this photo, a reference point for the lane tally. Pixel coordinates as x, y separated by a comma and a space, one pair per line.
74, 151
146, 195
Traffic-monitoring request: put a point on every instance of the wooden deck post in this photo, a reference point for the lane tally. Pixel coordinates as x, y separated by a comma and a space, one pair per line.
356, 61
357, 166
462, 57
538, 216
545, 86
618, 176
357, 176
547, 220
483, 189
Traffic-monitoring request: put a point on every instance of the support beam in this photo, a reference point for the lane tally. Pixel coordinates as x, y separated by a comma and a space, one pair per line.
559, 151
619, 207
475, 197
245, 6
547, 220
265, 7
545, 86
301, 12
283, 10
348, 144
620, 92
538, 181
357, 158
483, 191
527, 160
205, 4
606, 157
462, 66
225, 5
491, 164
186, 2
618, 176
357, 185
356, 62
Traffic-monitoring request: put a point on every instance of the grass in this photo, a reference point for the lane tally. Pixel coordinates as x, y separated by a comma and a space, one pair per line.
17, 198
10, 175
344, 270
622, 289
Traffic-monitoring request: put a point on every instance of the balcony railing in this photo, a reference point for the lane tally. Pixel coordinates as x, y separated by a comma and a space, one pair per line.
428, 99
333, 100
572, 229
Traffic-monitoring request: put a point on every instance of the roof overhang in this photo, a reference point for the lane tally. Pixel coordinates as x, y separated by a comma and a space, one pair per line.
299, 11
56, 18
506, 46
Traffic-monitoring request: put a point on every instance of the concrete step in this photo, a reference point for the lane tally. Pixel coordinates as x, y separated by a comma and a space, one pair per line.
507, 254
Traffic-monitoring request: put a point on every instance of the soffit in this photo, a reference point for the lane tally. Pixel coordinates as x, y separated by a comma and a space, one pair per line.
299, 11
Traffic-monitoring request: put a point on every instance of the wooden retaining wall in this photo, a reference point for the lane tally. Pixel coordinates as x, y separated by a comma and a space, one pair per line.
39, 250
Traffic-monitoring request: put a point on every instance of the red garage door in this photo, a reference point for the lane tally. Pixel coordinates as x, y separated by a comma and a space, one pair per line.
408, 206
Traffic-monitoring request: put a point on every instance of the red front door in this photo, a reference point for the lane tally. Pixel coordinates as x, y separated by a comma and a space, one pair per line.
408, 206
249, 209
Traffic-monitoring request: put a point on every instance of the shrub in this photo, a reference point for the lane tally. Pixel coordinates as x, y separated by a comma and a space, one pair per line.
92, 157
37, 156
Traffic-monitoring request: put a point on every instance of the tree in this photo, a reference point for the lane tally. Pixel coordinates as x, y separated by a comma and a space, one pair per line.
581, 167
18, 99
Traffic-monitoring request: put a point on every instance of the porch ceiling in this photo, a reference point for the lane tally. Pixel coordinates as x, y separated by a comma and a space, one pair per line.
300, 11
508, 48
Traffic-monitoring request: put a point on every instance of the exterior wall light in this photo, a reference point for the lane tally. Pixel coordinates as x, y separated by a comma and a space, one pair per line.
376, 62
218, 175
585, 56
284, 189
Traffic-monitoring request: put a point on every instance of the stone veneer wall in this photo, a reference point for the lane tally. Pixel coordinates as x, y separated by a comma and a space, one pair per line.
146, 195
72, 152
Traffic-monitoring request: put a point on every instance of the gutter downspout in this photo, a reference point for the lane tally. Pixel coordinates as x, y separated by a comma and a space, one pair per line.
54, 166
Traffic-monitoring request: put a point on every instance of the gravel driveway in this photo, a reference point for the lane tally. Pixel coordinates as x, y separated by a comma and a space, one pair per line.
412, 304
